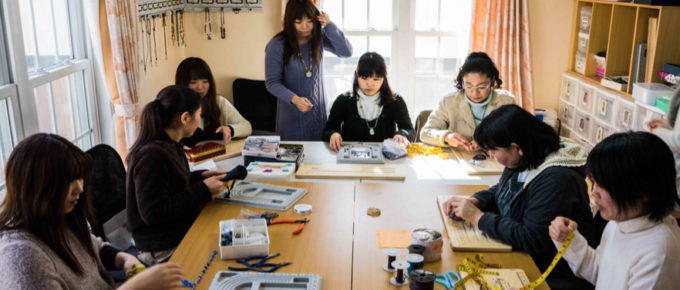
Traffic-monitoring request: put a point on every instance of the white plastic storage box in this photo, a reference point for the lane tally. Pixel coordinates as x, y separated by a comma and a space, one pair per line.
599, 130
582, 42
586, 15
647, 93
581, 123
243, 238
605, 106
580, 63
585, 98
644, 114
565, 132
569, 89
258, 170
566, 114
625, 115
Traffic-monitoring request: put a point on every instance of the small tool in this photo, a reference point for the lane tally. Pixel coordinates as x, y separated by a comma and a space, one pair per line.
260, 266
447, 279
302, 223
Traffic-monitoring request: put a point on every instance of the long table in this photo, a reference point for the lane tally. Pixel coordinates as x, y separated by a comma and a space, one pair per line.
339, 241
419, 169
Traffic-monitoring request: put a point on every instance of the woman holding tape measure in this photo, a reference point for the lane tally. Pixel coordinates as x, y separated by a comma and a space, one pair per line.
633, 177
543, 178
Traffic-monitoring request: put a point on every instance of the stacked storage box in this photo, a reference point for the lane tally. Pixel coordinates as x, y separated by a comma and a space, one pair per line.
590, 114
583, 35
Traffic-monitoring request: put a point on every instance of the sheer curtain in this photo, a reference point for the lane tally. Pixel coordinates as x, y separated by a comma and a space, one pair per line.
501, 29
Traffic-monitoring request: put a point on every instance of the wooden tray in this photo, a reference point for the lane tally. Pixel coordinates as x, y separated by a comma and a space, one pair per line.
486, 167
233, 149
464, 237
363, 171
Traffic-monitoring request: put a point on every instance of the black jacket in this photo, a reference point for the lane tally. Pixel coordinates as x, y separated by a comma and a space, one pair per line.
163, 198
556, 191
344, 119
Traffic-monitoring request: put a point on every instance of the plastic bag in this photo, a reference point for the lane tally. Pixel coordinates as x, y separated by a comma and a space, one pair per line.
393, 150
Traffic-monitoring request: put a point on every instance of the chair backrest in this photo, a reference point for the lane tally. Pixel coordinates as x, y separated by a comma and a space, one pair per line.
255, 103
420, 122
108, 186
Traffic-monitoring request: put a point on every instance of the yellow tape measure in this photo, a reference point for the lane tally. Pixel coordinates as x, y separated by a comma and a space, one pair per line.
476, 267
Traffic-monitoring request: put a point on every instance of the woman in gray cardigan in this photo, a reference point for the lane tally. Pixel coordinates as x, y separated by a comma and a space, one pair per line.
670, 134
45, 242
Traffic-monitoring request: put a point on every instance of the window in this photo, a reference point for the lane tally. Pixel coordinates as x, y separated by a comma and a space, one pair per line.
46, 83
424, 43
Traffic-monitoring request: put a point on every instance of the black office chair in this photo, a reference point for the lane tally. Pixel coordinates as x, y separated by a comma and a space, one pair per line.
108, 196
256, 104
420, 122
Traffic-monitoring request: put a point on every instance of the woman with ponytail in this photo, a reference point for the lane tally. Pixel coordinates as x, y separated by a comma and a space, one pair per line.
163, 197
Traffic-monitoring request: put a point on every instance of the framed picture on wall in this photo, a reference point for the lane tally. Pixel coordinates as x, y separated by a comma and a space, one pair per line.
252, 1
208, 1
236, 1
222, 1
193, 1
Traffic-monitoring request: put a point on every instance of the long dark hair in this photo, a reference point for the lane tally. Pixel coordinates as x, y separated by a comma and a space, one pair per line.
372, 64
38, 175
635, 167
479, 62
159, 114
297, 9
511, 124
194, 68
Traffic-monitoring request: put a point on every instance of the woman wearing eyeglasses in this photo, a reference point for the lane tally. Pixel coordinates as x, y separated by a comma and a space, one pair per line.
454, 120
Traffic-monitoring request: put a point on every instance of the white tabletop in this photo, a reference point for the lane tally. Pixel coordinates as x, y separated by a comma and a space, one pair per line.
419, 169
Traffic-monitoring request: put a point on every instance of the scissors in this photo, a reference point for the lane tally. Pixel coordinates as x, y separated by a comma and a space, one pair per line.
447, 279
260, 266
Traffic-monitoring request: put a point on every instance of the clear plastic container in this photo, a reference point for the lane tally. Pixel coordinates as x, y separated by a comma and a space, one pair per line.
586, 14
580, 63
604, 107
566, 114
582, 42
644, 114
585, 98
647, 93
599, 130
569, 89
581, 123
243, 238
625, 114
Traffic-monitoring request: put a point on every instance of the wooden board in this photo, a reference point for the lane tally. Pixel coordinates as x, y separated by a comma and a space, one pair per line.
487, 167
233, 149
465, 237
506, 279
363, 171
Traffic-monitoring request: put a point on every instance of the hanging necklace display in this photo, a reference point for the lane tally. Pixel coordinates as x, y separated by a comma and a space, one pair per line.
308, 70
207, 25
165, 40
172, 27
223, 28
155, 45
177, 25
143, 46
148, 40
181, 26
371, 130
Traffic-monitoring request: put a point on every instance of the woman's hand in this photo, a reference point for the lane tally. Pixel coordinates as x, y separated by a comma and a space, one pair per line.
455, 140
323, 19
335, 141
226, 132
560, 227
161, 276
302, 104
658, 123
401, 139
215, 184
463, 207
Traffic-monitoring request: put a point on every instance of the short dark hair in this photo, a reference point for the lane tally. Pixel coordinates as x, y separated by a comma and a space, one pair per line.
479, 62
373, 64
635, 166
511, 124
298, 9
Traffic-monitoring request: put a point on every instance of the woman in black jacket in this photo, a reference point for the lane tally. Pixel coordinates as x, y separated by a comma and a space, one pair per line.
371, 112
163, 197
544, 178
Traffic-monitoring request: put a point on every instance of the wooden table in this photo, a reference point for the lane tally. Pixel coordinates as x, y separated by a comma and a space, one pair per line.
410, 206
324, 246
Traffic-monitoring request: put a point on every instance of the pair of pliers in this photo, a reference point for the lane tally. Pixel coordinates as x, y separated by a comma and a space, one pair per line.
299, 228
260, 266
447, 279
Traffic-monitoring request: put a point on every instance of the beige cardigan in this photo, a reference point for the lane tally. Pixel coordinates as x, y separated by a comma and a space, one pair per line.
453, 114
230, 116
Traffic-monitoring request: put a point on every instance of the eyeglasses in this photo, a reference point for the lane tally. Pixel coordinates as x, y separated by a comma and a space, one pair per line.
478, 88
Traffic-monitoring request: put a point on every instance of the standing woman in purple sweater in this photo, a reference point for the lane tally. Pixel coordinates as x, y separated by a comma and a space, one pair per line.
293, 69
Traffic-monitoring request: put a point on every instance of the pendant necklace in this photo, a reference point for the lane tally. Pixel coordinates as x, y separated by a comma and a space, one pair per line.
371, 130
308, 70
